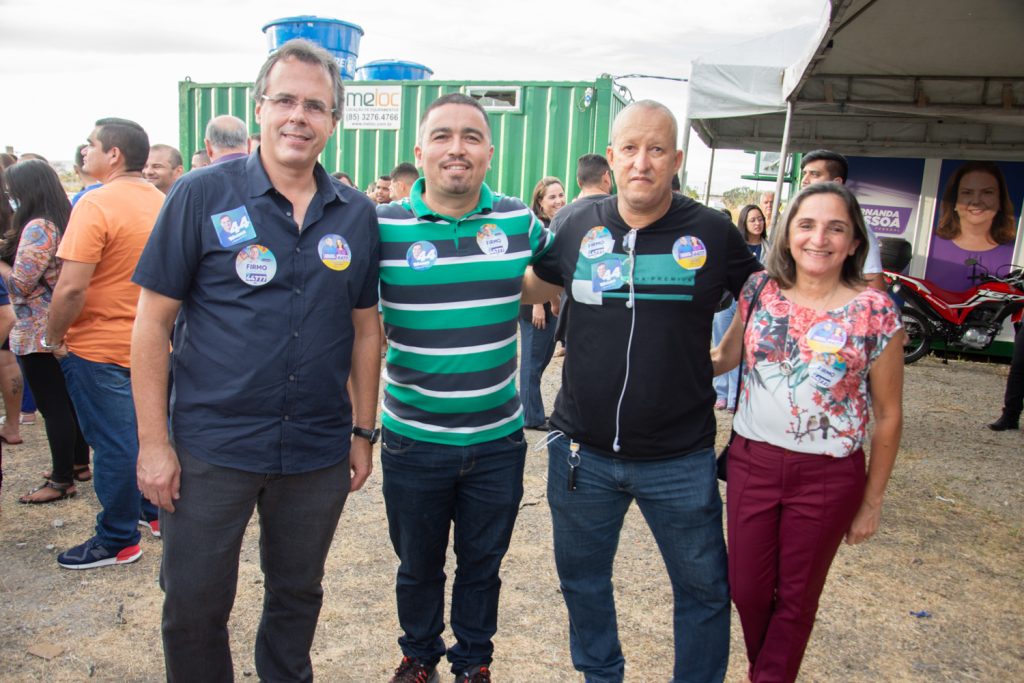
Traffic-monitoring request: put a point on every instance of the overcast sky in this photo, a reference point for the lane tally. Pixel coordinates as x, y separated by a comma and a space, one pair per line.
65, 64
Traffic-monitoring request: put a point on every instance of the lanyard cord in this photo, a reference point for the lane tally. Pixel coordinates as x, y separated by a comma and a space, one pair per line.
629, 242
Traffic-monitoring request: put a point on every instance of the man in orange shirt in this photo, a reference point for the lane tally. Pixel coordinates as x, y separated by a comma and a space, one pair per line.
89, 330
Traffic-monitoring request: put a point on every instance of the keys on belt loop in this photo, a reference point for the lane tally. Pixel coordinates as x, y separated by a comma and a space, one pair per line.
574, 460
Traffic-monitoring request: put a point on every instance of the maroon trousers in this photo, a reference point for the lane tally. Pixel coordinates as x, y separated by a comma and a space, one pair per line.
787, 514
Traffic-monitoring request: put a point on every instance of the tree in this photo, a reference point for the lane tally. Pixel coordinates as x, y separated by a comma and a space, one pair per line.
738, 197
692, 193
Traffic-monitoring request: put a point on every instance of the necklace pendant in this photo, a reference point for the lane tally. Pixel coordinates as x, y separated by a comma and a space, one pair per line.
786, 368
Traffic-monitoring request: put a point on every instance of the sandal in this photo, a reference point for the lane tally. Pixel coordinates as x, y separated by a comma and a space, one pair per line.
80, 473
63, 491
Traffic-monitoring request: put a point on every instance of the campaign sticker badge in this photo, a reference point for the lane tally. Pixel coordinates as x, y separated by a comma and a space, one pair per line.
421, 255
233, 227
334, 252
689, 252
492, 240
827, 336
826, 369
606, 275
256, 265
597, 242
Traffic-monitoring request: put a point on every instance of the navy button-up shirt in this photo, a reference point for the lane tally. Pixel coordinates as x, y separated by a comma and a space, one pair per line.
263, 347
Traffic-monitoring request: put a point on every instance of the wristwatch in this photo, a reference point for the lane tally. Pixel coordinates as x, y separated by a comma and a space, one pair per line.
371, 435
49, 347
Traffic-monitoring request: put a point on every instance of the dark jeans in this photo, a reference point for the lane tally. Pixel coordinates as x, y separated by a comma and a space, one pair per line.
102, 396
536, 349
67, 445
679, 500
1013, 401
428, 486
202, 540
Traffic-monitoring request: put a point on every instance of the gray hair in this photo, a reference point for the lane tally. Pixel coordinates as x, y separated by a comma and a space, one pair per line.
308, 53
227, 132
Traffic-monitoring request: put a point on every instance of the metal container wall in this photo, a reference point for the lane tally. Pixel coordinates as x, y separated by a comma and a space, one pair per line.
551, 130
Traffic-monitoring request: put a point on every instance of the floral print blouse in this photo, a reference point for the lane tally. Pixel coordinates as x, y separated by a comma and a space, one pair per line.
31, 282
805, 374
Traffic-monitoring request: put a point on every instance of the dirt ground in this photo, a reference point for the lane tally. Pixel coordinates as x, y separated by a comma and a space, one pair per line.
950, 547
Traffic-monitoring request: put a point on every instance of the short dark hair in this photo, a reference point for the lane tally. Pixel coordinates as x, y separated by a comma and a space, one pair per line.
780, 264
405, 172
590, 168
836, 163
79, 158
36, 187
1004, 227
385, 177
176, 159
454, 98
342, 175
127, 136
308, 53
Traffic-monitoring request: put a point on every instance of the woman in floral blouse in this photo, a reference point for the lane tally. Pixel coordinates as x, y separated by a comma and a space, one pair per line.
822, 353
41, 214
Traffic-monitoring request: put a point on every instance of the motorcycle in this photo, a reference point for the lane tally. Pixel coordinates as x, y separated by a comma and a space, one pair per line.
961, 320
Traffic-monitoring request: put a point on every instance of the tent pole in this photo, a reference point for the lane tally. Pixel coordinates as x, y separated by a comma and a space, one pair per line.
685, 148
782, 164
711, 171
687, 122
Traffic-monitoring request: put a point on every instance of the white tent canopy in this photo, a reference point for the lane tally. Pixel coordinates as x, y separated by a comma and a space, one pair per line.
915, 78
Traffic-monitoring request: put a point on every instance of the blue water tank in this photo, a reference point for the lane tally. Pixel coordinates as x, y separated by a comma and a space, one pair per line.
393, 70
340, 38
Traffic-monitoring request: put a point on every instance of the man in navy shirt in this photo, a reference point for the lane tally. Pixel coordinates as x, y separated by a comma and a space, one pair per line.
272, 265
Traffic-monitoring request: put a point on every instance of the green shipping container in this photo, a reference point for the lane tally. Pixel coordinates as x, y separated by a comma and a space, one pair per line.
539, 128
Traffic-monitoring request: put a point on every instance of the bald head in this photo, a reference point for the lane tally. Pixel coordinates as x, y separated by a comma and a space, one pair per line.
643, 158
644, 109
226, 135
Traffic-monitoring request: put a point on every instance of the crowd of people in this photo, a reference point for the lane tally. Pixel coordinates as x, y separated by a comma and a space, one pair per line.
219, 348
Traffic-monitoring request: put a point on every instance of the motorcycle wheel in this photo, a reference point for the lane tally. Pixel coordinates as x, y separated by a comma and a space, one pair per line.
918, 340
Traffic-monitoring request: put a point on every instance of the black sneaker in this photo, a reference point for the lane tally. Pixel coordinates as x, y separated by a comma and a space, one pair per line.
476, 674
92, 554
1006, 421
413, 671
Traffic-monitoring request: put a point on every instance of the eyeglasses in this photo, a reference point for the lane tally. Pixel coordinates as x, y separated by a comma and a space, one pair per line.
288, 103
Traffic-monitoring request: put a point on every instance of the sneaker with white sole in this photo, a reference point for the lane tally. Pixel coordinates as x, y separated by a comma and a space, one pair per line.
92, 554
153, 525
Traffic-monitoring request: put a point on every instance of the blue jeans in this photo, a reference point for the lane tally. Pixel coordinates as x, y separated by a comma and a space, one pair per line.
725, 385
679, 500
102, 396
202, 539
536, 349
428, 486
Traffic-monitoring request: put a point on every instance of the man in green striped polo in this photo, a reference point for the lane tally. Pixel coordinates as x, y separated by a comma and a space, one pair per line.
453, 255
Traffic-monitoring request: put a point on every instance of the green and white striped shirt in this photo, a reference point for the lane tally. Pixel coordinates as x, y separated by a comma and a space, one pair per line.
450, 291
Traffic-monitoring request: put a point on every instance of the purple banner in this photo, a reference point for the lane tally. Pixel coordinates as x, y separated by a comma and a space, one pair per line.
887, 220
